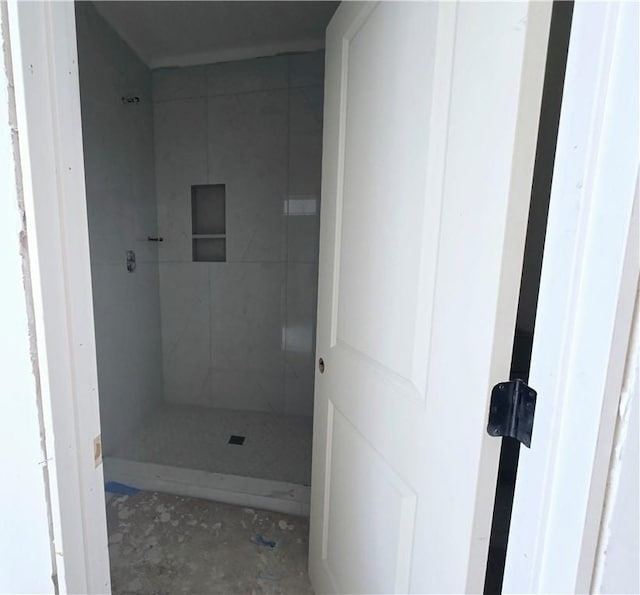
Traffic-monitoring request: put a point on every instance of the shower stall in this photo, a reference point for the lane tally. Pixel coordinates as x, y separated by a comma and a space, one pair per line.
203, 198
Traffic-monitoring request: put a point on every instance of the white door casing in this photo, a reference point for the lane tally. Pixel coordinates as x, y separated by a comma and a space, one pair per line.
587, 291
431, 116
45, 70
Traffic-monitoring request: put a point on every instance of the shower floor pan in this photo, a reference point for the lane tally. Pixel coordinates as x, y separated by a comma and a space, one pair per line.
255, 459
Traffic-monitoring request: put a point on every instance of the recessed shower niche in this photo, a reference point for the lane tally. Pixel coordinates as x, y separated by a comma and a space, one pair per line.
208, 222
213, 334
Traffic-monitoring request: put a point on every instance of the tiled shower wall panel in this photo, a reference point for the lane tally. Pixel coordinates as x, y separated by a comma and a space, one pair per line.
241, 334
121, 209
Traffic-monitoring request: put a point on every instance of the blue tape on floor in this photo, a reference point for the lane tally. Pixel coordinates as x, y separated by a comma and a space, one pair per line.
120, 488
259, 540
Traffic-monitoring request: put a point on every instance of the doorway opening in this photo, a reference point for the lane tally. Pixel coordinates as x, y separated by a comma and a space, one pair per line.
203, 196
530, 281
202, 164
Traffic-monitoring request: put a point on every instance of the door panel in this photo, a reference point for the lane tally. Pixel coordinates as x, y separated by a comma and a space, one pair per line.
376, 269
431, 115
371, 486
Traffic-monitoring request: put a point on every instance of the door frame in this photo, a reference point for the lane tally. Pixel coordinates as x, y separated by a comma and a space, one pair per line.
587, 294
44, 56
45, 74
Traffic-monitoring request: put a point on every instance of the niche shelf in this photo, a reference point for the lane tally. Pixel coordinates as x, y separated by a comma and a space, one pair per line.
208, 223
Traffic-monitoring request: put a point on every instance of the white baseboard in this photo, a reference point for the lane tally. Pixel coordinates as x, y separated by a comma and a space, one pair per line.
278, 496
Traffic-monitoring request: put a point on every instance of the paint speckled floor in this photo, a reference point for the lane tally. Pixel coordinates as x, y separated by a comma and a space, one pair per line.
162, 544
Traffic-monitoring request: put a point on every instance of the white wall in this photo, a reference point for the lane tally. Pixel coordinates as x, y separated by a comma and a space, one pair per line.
25, 550
118, 149
617, 568
241, 334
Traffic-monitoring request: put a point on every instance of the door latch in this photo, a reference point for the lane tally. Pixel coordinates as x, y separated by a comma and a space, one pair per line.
511, 411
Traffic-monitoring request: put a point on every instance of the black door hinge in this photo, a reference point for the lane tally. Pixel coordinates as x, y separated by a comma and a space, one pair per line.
513, 405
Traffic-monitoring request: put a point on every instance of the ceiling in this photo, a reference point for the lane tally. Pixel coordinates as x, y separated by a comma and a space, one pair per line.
184, 33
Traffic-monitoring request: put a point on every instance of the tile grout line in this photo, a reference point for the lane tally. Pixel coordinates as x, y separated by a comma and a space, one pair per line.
210, 397
285, 398
230, 93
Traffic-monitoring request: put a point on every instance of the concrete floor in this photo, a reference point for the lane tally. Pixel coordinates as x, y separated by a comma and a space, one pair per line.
162, 544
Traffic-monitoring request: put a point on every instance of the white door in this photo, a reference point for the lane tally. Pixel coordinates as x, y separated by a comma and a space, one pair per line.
431, 113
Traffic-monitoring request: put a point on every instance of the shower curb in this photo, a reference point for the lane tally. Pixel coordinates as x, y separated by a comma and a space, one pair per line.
267, 494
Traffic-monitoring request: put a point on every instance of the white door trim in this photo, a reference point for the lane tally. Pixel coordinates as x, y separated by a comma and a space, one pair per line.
588, 286
45, 71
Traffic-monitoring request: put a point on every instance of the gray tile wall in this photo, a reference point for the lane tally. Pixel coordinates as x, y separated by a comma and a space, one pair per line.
241, 334
121, 208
